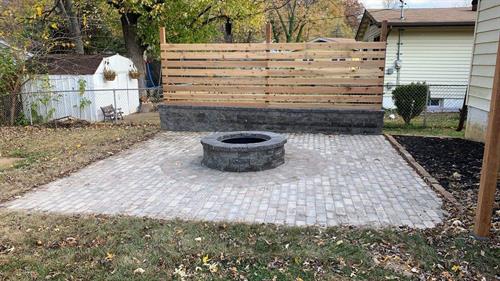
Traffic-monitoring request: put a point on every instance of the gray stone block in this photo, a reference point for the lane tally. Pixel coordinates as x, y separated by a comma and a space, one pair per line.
266, 154
206, 118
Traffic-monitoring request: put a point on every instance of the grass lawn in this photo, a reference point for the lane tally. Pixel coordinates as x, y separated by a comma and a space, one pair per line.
47, 153
437, 124
120, 248
53, 247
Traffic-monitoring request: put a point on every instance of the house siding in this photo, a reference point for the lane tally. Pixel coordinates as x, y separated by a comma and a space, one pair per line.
438, 56
371, 33
483, 68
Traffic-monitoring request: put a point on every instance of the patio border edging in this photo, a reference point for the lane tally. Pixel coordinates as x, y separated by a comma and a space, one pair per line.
428, 178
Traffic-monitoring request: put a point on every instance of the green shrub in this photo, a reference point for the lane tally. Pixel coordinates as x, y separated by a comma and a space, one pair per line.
410, 100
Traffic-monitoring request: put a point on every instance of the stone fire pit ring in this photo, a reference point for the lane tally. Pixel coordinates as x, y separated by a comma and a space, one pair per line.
243, 151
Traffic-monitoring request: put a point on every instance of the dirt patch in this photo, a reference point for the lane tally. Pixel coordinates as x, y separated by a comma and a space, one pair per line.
8, 162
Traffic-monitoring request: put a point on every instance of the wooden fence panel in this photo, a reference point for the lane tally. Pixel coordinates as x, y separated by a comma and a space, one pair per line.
283, 75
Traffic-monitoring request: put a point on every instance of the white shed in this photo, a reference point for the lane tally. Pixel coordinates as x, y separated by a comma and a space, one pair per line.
483, 68
58, 93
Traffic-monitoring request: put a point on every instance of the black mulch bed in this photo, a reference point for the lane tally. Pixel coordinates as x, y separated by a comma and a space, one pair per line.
455, 163
444, 157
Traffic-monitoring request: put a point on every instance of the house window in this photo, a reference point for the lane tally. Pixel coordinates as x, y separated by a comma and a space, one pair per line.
436, 102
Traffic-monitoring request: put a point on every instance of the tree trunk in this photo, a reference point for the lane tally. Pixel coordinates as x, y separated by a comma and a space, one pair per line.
74, 25
299, 33
13, 108
276, 33
228, 31
135, 50
249, 37
14, 99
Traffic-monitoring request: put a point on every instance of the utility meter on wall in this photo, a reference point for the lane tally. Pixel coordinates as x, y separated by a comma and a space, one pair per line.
397, 64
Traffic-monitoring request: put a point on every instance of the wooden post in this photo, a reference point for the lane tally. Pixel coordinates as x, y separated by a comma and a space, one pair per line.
269, 33
269, 40
383, 32
163, 38
491, 160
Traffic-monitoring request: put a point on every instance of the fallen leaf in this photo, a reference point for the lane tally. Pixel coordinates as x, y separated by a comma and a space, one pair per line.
71, 241
213, 268
109, 257
456, 268
180, 271
205, 259
139, 271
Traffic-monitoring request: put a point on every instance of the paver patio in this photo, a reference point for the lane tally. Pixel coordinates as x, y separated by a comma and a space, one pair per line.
326, 180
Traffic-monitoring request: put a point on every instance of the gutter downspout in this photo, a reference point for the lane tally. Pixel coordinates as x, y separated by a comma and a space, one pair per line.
398, 58
398, 54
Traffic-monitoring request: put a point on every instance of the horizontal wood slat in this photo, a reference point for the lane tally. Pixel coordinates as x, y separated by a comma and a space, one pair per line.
265, 56
274, 97
276, 89
337, 72
272, 46
259, 104
285, 75
196, 80
273, 64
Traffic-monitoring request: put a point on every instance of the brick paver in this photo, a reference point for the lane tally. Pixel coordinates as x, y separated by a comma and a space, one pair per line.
326, 180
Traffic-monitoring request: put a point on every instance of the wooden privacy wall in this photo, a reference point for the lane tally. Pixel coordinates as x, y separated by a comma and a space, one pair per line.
286, 75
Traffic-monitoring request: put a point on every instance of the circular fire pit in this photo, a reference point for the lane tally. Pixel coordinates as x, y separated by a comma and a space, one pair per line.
244, 151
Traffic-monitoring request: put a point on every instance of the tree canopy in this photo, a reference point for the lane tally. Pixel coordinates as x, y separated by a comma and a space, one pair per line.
100, 26
302, 20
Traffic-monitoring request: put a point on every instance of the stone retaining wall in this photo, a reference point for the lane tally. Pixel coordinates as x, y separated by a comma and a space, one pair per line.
207, 118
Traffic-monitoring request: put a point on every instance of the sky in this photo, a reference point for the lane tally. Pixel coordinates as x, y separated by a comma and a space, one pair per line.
377, 4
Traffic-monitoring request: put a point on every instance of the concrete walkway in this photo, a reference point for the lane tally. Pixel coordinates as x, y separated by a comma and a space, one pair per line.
326, 180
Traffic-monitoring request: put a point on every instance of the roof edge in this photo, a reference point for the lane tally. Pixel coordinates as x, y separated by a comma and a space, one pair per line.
365, 14
420, 24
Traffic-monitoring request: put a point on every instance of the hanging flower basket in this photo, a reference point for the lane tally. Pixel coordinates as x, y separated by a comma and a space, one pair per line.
134, 74
109, 75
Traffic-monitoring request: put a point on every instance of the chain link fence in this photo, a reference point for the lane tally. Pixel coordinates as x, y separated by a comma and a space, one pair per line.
44, 106
406, 106
424, 106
